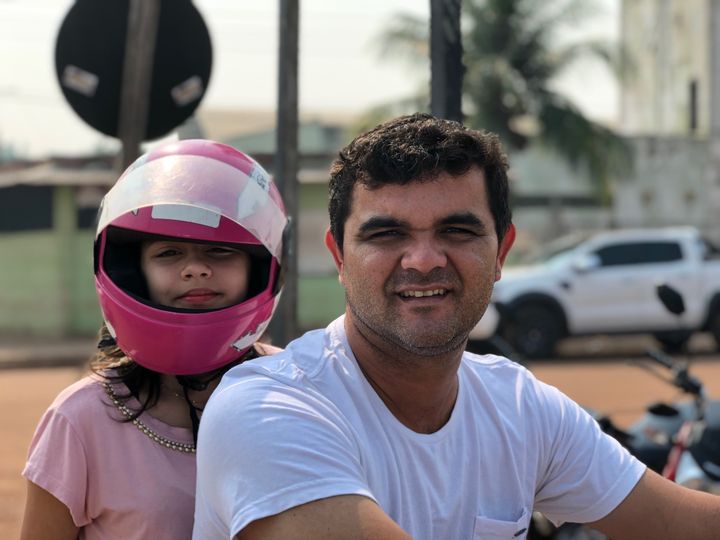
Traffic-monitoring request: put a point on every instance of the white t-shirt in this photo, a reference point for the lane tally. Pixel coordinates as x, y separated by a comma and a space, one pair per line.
305, 424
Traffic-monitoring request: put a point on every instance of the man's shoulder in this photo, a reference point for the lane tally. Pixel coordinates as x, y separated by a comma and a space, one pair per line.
298, 387
490, 363
301, 363
499, 376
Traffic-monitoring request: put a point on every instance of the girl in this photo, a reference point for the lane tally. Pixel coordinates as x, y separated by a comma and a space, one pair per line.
187, 271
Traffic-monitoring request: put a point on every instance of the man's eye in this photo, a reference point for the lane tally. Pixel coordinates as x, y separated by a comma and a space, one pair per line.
459, 231
378, 235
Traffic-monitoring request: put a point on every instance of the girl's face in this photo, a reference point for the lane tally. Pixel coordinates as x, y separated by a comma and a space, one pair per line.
194, 276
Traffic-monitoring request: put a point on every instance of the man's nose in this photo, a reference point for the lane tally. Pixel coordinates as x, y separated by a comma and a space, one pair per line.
424, 255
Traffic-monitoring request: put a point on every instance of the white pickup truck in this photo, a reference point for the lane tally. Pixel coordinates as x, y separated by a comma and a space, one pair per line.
606, 284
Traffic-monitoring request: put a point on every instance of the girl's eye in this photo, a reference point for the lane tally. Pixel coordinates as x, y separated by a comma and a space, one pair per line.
221, 251
167, 253
459, 231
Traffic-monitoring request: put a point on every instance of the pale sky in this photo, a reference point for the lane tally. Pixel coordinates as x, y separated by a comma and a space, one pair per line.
339, 67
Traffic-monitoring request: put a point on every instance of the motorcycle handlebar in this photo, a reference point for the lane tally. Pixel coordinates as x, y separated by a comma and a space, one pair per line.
661, 358
682, 379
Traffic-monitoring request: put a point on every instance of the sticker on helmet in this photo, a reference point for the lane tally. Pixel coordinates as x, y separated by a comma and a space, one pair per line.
246, 340
186, 213
261, 177
252, 198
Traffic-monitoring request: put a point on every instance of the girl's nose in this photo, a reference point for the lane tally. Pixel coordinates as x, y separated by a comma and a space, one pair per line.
196, 267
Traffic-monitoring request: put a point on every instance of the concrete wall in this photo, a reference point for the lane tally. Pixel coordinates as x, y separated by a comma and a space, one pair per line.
36, 296
671, 186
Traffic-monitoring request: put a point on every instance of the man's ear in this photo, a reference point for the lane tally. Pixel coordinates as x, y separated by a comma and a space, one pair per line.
335, 251
503, 250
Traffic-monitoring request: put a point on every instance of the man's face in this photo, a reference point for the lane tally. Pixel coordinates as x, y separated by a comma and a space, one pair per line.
419, 261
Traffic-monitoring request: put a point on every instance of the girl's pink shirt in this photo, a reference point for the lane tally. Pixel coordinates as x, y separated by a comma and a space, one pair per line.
115, 480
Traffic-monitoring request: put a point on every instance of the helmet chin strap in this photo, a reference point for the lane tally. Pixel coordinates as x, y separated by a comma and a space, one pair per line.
198, 384
188, 383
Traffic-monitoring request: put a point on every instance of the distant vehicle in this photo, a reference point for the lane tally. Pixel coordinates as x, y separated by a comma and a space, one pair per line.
488, 325
605, 284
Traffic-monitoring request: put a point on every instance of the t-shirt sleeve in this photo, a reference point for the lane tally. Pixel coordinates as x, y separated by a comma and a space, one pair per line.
584, 473
57, 463
265, 447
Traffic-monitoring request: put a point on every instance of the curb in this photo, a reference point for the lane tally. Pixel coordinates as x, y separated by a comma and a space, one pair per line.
46, 355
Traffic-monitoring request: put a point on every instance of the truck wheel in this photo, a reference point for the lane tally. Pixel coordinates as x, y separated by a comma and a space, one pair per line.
534, 330
714, 326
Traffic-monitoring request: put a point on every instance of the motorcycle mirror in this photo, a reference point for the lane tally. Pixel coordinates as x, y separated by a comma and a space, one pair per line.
671, 299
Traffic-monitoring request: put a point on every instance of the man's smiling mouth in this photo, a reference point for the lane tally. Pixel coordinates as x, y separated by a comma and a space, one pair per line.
421, 294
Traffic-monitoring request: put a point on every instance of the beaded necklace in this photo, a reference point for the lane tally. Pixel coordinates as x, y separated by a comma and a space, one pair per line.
163, 441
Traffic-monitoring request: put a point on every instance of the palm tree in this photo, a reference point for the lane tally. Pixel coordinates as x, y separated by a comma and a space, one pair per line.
512, 56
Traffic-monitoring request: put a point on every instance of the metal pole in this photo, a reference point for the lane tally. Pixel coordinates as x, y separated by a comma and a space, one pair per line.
714, 90
446, 67
143, 18
714, 74
284, 326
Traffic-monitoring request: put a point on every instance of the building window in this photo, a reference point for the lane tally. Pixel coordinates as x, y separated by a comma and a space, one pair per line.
26, 208
693, 102
87, 202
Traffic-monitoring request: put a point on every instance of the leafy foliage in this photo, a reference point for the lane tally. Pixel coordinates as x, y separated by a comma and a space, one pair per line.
512, 57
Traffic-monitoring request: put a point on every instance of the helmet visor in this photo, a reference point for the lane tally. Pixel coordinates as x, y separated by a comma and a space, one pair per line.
198, 189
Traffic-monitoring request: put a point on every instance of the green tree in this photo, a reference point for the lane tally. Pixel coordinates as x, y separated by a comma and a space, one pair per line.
512, 57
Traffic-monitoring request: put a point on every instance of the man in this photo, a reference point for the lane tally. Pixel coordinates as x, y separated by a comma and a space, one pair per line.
380, 427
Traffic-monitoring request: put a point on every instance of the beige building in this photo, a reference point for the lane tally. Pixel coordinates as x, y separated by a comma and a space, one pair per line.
666, 86
670, 109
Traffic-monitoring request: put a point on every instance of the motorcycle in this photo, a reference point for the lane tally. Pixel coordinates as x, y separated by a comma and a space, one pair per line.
653, 439
679, 440
698, 466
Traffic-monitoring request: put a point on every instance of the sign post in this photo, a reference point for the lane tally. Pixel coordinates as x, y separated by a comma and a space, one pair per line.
143, 18
446, 67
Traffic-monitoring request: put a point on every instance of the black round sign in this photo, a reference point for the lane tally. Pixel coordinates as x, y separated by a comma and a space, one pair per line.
89, 58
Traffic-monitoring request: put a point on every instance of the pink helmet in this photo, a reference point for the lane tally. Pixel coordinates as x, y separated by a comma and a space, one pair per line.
193, 190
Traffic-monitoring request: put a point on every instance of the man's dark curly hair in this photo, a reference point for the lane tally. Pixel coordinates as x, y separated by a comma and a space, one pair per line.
414, 148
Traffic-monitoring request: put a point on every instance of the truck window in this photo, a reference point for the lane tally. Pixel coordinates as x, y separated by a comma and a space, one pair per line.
709, 250
639, 253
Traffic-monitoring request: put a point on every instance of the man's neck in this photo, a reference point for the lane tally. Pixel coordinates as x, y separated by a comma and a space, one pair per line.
420, 391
